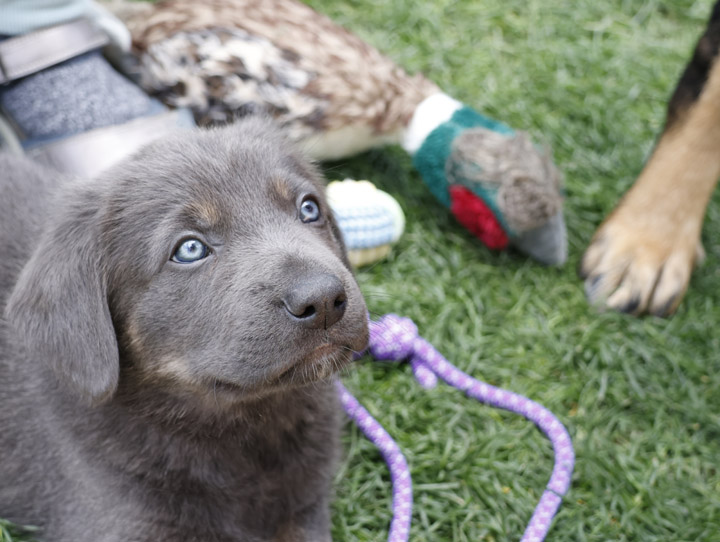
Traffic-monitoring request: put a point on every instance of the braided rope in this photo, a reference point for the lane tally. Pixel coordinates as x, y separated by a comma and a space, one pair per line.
399, 471
393, 338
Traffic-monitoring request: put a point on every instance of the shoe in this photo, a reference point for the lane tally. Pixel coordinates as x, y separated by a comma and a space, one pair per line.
64, 105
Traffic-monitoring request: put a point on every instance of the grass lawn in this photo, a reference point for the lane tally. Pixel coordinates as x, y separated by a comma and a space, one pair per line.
640, 397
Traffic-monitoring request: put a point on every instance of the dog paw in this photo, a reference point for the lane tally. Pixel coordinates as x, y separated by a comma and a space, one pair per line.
636, 265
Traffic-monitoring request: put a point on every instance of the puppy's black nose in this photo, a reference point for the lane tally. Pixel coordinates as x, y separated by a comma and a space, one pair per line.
316, 301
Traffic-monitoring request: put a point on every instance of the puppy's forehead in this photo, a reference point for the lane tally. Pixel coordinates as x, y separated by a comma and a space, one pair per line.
281, 188
227, 172
247, 184
239, 199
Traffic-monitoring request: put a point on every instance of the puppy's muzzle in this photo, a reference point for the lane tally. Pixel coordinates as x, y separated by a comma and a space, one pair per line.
316, 301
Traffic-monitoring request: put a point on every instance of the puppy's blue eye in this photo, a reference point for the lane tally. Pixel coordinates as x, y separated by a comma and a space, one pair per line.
190, 251
309, 210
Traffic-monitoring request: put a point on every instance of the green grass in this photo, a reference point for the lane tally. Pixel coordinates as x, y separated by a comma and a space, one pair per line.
14, 533
641, 397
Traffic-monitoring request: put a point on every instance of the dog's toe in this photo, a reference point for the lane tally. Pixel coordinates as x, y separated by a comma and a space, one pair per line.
671, 284
591, 260
603, 274
635, 289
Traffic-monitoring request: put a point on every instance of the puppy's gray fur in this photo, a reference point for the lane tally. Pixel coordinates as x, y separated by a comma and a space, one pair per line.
147, 400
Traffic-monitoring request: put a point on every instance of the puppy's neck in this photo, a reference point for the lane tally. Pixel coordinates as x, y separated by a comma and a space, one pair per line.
150, 431
217, 411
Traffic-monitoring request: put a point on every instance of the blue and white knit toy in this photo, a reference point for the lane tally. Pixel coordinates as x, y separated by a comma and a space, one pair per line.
370, 220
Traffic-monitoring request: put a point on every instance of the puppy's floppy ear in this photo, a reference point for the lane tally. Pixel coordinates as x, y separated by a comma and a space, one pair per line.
59, 303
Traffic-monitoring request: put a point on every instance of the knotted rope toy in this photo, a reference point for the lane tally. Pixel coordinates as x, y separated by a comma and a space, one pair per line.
393, 338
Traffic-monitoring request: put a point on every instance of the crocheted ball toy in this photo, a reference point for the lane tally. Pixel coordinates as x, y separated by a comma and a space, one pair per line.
338, 96
370, 219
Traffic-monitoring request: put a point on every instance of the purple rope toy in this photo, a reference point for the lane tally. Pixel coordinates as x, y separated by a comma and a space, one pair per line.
393, 338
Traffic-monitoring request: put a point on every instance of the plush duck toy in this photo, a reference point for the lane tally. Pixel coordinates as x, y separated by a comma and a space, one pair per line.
339, 96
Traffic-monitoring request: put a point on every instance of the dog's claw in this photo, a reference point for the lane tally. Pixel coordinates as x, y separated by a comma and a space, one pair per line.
592, 290
631, 306
666, 308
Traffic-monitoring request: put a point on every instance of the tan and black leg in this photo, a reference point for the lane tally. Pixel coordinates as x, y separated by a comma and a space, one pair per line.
641, 257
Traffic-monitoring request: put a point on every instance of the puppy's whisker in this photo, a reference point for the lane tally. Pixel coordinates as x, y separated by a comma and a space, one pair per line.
327, 170
381, 295
375, 314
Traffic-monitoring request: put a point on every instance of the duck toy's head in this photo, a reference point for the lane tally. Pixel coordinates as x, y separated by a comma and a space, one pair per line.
499, 185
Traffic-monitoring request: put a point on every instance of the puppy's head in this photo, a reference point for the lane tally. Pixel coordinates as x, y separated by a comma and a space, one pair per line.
209, 264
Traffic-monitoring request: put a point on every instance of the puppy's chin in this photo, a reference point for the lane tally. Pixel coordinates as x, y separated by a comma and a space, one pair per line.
319, 365
322, 363
224, 397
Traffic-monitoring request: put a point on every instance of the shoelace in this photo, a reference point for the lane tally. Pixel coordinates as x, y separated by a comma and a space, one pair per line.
394, 338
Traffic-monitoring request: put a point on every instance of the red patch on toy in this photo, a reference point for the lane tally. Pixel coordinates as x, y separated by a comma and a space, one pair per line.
476, 216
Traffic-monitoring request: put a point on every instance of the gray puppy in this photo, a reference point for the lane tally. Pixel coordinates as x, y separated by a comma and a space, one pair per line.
170, 338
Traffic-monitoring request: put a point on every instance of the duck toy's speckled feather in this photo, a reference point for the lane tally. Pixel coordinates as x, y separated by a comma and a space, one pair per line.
339, 96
